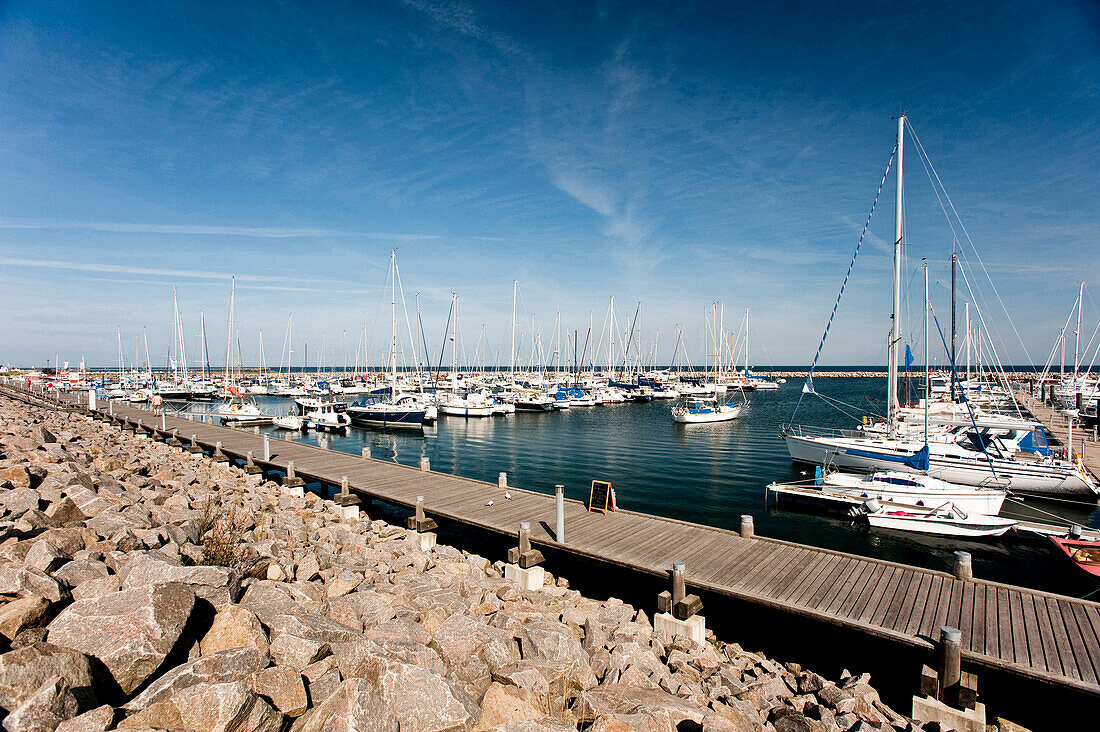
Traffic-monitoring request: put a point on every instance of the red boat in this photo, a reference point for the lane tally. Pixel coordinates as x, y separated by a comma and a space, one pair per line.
1082, 552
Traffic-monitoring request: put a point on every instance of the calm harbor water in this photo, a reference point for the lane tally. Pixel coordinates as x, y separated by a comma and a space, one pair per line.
708, 474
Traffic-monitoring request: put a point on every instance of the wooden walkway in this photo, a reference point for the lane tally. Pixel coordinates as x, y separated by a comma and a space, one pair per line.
1026, 632
1057, 425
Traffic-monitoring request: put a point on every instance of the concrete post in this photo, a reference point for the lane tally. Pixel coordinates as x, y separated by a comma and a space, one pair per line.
502, 480
420, 509
559, 513
163, 421
964, 569
679, 588
949, 659
524, 537
747, 531
91, 399
425, 464
111, 407
267, 448
289, 469
366, 451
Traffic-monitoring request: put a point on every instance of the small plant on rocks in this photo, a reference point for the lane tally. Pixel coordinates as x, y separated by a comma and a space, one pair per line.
222, 534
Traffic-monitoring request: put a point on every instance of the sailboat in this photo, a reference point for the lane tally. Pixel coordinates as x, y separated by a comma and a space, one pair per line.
235, 408
952, 461
700, 408
391, 411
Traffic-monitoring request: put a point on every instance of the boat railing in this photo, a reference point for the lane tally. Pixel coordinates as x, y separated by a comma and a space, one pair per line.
798, 430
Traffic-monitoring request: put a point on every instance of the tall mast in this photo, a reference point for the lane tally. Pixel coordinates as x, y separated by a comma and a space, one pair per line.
512, 355
895, 329
229, 330
954, 263
454, 340
393, 324
967, 306
927, 370
1077, 334
611, 338
202, 346
747, 342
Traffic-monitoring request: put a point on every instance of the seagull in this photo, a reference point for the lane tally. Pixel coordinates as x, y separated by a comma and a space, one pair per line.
490, 503
507, 494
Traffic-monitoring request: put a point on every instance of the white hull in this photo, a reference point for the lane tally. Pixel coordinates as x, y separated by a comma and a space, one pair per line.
941, 525
723, 413
288, 423
1034, 478
969, 499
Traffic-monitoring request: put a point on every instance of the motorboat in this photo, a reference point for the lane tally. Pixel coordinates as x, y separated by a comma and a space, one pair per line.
1084, 552
471, 405
947, 519
290, 422
239, 410
376, 411
329, 417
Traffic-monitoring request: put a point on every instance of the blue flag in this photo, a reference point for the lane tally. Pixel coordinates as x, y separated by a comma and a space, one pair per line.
908, 357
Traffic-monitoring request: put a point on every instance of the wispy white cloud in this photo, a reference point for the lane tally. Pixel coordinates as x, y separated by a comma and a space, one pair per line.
122, 269
189, 229
463, 18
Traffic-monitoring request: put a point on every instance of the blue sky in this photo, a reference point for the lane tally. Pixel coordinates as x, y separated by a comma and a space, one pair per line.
673, 154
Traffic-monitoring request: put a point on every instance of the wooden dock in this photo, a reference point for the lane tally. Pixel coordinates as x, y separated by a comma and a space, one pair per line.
1024, 632
1058, 426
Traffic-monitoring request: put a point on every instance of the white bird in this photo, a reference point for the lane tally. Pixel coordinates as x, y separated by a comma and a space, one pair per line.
490, 503
507, 494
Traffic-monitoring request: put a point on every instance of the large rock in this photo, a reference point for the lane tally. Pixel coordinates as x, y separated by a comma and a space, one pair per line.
651, 705
464, 643
421, 701
355, 706
237, 664
552, 641
99, 719
24, 670
226, 707
503, 704
77, 572
26, 581
130, 632
234, 627
22, 613
17, 476
284, 688
311, 626
50, 704
146, 570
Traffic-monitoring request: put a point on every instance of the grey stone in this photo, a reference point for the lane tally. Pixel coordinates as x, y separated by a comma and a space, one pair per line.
24, 670
232, 665
130, 632
99, 719
48, 706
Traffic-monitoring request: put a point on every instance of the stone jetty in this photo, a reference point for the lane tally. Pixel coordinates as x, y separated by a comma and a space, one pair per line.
144, 587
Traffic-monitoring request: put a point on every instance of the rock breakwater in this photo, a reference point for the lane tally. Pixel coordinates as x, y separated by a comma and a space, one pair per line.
145, 587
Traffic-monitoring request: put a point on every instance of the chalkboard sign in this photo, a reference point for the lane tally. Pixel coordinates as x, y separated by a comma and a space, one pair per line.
602, 497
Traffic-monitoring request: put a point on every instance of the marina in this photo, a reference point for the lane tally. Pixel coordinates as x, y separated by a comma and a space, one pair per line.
465, 366
1039, 635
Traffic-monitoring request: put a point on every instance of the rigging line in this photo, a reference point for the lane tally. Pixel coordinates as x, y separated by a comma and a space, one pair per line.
980, 305
955, 375
962, 226
992, 346
808, 386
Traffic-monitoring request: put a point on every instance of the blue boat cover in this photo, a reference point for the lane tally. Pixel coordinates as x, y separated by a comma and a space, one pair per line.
917, 461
